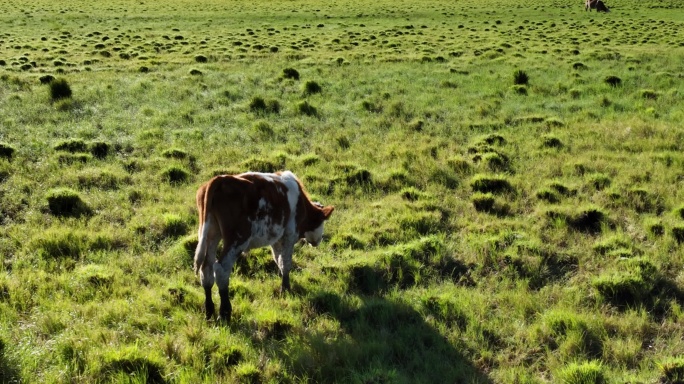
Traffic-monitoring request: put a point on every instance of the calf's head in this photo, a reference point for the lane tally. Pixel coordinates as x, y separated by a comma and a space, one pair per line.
314, 234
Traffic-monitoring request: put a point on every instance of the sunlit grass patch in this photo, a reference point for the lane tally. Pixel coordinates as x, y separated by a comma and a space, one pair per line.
581, 373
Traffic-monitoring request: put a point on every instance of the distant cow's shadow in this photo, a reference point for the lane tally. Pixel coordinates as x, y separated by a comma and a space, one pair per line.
384, 342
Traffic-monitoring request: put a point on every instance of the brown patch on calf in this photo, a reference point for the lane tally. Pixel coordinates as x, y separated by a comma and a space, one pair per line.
233, 202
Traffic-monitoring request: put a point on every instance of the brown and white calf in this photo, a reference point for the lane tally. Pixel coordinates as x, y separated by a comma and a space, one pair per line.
598, 5
247, 211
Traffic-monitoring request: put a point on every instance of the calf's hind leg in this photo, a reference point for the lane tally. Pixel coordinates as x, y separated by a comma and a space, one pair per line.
207, 273
222, 271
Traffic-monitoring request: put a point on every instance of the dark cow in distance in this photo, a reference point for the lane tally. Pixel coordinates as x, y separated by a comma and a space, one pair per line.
598, 5
247, 211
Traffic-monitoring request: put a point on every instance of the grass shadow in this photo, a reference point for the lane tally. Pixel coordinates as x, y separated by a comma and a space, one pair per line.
8, 372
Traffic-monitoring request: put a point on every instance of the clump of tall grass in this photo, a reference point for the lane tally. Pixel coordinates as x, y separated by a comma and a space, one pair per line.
491, 184
129, 362
583, 373
307, 109
175, 153
291, 73
613, 81
550, 141
175, 175
66, 202
520, 77
672, 370
100, 149
72, 145
260, 105
587, 219
311, 87
678, 233
224, 360
59, 89
635, 282
248, 373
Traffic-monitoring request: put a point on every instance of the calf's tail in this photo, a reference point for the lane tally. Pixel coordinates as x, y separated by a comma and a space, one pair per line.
204, 198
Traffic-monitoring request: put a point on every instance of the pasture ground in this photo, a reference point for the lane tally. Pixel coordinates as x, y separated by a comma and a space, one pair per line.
507, 180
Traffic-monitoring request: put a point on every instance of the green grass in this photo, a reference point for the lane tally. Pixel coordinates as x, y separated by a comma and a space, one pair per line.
506, 177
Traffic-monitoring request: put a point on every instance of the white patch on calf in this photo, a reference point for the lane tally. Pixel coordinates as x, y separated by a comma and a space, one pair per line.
314, 237
290, 181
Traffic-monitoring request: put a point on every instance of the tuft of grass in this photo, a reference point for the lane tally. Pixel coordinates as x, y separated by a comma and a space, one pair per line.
59, 89
588, 219
655, 228
263, 129
72, 145
679, 212
346, 241
100, 149
671, 370
548, 195
224, 360
613, 81
59, 245
649, 94
291, 73
260, 105
174, 226
627, 288
65, 202
520, 89
175, 175
495, 161
579, 66
311, 87
459, 164
599, 181
175, 153
307, 109
248, 373
412, 194
549, 141
46, 79
590, 372
632, 284
520, 77
678, 233
131, 364
483, 202
490, 184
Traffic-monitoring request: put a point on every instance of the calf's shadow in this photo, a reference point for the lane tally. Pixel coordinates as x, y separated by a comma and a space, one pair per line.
384, 341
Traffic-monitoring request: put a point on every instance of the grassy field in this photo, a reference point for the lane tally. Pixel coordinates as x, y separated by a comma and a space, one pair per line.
508, 181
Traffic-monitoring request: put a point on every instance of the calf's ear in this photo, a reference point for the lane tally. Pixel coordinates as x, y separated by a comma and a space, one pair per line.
327, 211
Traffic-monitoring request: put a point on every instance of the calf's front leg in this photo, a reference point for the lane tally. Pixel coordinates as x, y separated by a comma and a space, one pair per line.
282, 254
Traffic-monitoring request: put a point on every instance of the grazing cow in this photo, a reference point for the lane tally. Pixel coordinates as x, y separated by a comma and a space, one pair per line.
247, 211
598, 5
